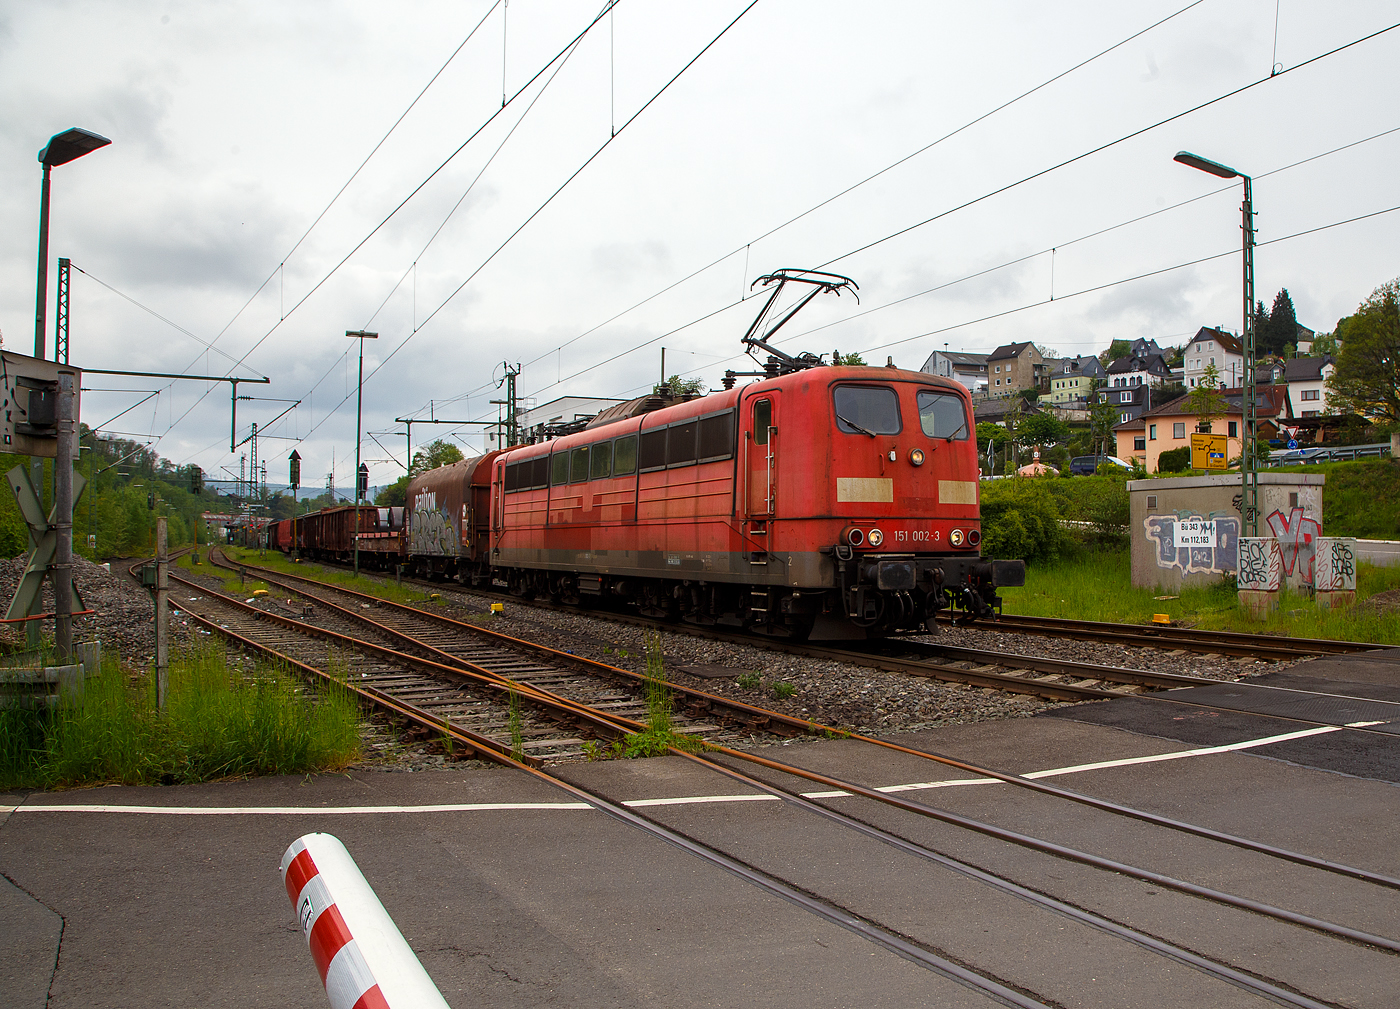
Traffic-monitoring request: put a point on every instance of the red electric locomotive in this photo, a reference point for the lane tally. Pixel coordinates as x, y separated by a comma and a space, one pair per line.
825, 501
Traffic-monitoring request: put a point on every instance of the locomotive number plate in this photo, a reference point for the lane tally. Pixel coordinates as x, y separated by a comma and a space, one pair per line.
915, 536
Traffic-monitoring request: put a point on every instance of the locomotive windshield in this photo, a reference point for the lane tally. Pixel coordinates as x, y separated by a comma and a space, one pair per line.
942, 415
867, 409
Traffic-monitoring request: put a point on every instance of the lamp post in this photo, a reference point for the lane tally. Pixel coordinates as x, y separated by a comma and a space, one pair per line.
1249, 474
362, 336
61, 149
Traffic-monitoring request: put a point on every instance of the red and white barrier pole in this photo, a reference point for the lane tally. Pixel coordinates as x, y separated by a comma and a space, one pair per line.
363, 958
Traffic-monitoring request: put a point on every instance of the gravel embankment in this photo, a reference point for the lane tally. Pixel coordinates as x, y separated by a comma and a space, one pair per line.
831, 693
124, 620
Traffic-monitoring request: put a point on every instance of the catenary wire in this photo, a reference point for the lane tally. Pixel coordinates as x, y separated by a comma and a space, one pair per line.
851, 188
1103, 147
575, 174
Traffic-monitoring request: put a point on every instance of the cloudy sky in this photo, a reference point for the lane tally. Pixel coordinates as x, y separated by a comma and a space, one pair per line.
235, 125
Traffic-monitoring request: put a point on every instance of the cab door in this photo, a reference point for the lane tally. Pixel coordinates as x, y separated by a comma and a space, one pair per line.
761, 462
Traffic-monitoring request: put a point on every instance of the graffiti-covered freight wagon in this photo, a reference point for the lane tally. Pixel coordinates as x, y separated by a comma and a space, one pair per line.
448, 521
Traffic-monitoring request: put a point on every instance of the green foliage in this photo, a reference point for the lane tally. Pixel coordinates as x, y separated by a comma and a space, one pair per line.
1282, 325
1041, 429
747, 681
1020, 519
1095, 584
1205, 402
1116, 349
783, 690
395, 495
1366, 380
1176, 460
839, 360
219, 723
677, 386
433, 455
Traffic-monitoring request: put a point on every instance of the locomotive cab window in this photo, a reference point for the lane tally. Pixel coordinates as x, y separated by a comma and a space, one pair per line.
942, 415
578, 465
601, 465
866, 409
625, 456
559, 474
762, 421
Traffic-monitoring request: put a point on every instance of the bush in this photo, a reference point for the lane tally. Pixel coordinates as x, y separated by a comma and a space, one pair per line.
219, 723
1177, 460
1020, 520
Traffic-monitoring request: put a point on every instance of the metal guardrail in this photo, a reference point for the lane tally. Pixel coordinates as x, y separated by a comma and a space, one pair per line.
1342, 453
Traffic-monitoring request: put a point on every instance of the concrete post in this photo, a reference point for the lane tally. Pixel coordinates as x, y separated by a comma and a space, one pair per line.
1334, 571
1260, 574
162, 615
1395, 445
63, 522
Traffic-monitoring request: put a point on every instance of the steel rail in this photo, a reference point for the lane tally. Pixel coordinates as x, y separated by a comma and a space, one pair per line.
1148, 942
1028, 783
1221, 642
492, 750
1052, 848
750, 715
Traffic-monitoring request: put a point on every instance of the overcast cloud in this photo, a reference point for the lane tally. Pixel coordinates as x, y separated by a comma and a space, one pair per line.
233, 125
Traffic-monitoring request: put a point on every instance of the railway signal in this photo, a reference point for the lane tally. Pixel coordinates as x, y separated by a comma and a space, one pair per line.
294, 476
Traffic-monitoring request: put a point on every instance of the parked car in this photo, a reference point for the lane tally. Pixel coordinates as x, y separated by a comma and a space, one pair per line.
1088, 465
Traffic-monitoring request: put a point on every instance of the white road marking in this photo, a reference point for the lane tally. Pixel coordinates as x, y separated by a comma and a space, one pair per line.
683, 800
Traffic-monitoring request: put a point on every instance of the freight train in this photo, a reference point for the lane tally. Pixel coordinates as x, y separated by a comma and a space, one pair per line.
818, 501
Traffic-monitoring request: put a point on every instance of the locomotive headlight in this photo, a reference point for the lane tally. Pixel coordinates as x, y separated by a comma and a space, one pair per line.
916, 456
956, 537
874, 537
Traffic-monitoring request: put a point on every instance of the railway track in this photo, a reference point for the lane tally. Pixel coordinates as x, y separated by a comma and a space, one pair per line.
1186, 639
984, 981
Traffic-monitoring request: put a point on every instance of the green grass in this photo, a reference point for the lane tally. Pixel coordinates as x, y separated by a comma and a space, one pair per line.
220, 722
275, 561
658, 737
1094, 584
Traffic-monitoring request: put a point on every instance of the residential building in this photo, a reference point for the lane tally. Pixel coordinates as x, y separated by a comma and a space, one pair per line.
1303, 345
1306, 378
1071, 378
968, 369
1013, 367
1002, 411
1132, 401
1214, 347
1143, 347
1136, 369
1171, 425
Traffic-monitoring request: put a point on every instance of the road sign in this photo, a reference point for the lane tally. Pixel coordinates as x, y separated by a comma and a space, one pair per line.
1293, 444
1208, 451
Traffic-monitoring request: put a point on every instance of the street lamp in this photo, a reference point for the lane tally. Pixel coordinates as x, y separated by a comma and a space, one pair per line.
362, 336
61, 149
1249, 475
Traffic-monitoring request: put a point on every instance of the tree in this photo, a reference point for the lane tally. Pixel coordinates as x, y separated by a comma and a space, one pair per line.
1041, 429
393, 496
1206, 403
1102, 416
840, 360
677, 386
1367, 378
991, 437
1261, 325
1047, 353
1282, 327
435, 454
1116, 349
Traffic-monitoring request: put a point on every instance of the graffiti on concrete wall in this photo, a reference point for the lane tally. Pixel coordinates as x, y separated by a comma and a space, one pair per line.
1335, 564
1261, 564
1296, 534
1194, 543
